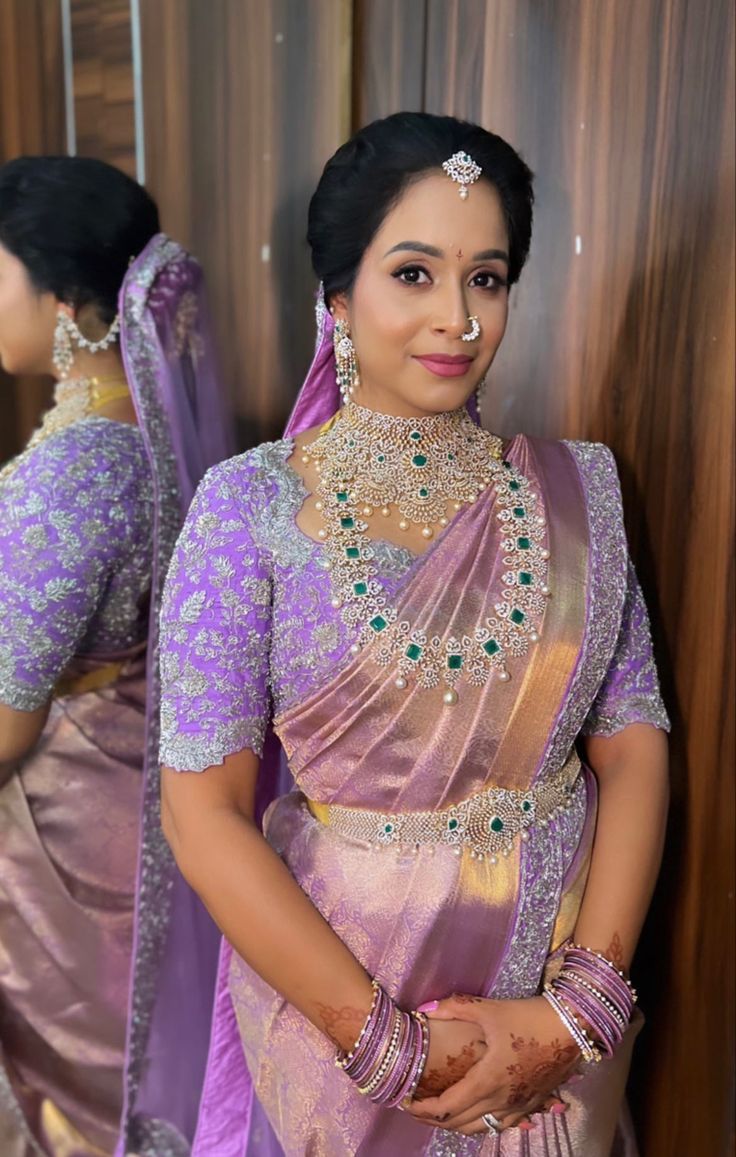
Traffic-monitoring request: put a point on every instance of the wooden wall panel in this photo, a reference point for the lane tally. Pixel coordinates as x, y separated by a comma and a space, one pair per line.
389, 57
622, 330
244, 102
31, 121
103, 81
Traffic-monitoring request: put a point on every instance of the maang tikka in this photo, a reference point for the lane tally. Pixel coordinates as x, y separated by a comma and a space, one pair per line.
66, 332
348, 378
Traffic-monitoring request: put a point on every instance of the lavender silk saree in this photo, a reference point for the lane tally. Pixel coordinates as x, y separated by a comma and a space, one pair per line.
89, 520
250, 641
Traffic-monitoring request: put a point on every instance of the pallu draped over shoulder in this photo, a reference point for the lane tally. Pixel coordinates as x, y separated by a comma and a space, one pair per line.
447, 846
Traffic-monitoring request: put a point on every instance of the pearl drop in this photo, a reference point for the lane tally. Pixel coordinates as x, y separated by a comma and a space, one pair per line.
354, 648
457, 851
457, 505
545, 553
443, 521
305, 458
427, 532
334, 602
505, 852
546, 590
401, 683
504, 676
367, 510
403, 525
450, 697
494, 859
321, 533
525, 837
534, 636
385, 511
318, 506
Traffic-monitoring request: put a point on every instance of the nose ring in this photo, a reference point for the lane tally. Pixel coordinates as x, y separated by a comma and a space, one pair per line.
474, 332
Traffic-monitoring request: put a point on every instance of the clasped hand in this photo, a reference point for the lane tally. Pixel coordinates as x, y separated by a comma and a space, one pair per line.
505, 1057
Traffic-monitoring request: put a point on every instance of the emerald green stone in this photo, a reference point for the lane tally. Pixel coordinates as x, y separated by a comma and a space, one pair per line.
360, 588
526, 806
454, 662
347, 523
496, 824
525, 578
388, 828
352, 552
506, 465
380, 457
415, 436
423, 492
491, 647
419, 460
413, 652
519, 512
524, 543
517, 616
450, 457
452, 825
378, 624
514, 485
342, 496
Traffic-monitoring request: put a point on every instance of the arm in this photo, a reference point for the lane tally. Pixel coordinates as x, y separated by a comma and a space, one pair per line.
631, 769
208, 820
19, 733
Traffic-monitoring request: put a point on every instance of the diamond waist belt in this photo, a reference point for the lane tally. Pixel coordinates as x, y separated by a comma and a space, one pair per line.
487, 823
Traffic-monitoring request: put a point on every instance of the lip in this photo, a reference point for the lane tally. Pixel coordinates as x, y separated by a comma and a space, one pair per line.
445, 365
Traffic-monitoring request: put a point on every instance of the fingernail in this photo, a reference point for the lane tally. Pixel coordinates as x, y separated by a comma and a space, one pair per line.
527, 1126
429, 1006
559, 1107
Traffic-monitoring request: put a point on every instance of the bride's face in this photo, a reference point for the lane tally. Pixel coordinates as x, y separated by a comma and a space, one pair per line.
436, 261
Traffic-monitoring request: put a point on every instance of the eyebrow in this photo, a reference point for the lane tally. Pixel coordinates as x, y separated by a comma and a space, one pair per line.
432, 251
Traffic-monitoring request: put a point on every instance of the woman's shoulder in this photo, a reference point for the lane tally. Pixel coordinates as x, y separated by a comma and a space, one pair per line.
94, 452
250, 481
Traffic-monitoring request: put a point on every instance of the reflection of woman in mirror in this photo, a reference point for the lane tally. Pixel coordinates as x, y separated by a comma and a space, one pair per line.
440, 625
93, 294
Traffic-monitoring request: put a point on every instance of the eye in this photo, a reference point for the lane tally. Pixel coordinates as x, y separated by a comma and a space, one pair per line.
412, 275
488, 280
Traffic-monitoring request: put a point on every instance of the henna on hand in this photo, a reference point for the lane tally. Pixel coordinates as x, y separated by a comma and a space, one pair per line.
436, 1080
615, 951
540, 1068
342, 1025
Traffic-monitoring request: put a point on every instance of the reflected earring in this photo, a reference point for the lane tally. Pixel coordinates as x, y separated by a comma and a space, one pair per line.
62, 356
67, 331
348, 378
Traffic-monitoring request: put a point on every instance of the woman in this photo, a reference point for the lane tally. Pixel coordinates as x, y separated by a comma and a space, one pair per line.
439, 625
93, 293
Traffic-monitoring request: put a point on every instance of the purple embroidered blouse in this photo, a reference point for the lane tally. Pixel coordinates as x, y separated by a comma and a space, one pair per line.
247, 628
76, 534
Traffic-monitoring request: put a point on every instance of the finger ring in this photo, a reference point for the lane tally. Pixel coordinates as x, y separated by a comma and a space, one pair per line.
492, 1123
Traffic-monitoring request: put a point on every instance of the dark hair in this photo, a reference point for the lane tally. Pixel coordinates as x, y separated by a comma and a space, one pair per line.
75, 223
368, 174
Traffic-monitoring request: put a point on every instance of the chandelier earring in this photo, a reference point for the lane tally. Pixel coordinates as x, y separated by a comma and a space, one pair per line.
68, 334
481, 391
348, 378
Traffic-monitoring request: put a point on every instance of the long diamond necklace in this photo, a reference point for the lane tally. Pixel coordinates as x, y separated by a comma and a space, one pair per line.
366, 460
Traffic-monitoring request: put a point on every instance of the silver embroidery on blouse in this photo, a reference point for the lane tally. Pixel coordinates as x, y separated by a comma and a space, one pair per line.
76, 526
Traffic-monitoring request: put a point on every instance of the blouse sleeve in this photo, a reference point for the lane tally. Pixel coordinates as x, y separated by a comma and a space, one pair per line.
215, 634
67, 520
630, 691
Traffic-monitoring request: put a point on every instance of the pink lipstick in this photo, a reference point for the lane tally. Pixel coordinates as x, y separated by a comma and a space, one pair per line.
445, 365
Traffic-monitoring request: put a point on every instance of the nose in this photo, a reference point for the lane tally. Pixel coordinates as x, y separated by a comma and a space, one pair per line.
451, 312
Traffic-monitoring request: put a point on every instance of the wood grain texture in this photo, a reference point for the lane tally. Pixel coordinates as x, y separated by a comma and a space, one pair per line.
103, 81
622, 331
31, 121
244, 102
389, 57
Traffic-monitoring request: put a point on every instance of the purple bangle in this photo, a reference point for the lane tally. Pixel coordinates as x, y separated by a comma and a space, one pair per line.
375, 1047
395, 1076
590, 1014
